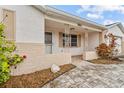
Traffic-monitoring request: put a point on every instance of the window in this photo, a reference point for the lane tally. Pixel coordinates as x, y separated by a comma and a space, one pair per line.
48, 38
69, 40
73, 40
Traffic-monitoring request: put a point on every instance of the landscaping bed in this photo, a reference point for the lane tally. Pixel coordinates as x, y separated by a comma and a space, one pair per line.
36, 79
106, 61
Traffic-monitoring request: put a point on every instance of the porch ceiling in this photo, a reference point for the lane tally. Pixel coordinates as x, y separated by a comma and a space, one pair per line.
58, 14
58, 26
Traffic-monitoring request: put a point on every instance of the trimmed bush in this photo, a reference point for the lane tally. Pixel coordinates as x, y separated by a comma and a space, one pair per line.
7, 59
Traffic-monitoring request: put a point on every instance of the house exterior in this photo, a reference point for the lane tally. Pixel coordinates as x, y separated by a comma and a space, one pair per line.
49, 36
117, 30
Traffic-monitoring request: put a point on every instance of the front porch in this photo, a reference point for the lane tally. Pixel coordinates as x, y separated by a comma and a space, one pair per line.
77, 41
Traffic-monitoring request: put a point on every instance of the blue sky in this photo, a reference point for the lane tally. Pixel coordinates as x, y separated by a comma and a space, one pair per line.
100, 14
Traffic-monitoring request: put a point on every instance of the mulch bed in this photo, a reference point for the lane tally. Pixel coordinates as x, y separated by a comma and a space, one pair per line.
106, 61
36, 79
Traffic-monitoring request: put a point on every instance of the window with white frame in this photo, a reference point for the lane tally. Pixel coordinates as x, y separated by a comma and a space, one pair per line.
70, 40
73, 40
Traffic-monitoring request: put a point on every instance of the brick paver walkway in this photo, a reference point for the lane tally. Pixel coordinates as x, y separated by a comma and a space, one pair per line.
88, 75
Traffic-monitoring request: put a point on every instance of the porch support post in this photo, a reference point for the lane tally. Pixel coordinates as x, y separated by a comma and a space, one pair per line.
122, 45
86, 41
67, 31
101, 37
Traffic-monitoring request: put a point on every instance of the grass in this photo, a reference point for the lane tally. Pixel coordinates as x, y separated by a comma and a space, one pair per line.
36, 79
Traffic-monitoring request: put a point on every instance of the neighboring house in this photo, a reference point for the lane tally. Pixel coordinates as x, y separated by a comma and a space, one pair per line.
117, 30
49, 36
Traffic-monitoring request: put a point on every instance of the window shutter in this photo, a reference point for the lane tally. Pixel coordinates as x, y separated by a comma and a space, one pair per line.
79, 40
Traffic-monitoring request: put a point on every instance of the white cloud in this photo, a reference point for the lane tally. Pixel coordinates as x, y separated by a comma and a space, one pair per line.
83, 8
94, 16
101, 9
79, 11
122, 23
97, 10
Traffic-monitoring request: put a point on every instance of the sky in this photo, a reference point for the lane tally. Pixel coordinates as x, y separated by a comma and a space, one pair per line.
99, 14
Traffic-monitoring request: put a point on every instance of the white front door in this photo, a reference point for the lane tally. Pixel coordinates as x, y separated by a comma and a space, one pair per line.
48, 42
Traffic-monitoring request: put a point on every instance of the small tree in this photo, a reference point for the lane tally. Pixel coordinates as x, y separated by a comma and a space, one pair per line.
108, 51
7, 58
104, 51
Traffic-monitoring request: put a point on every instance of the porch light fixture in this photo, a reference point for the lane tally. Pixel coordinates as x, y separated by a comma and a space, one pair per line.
79, 24
86, 29
72, 29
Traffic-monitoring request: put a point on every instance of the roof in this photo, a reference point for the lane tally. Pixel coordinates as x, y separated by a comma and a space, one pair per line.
61, 14
111, 24
119, 24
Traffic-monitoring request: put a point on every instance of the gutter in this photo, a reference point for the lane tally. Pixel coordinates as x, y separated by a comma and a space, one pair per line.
41, 8
60, 12
117, 24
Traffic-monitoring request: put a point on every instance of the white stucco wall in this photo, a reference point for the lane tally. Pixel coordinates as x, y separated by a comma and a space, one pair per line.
30, 41
29, 23
93, 40
90, 55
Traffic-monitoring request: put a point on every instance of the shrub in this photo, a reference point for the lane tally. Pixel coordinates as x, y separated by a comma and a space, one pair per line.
108, 51
104, 51
7, 59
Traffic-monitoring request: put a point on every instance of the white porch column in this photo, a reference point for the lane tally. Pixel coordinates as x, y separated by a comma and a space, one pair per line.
86, 41
101, 37
67, 31
123, 45
85, 45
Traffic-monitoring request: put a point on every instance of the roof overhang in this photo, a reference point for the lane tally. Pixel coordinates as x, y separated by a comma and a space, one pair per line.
58, 14
116, 24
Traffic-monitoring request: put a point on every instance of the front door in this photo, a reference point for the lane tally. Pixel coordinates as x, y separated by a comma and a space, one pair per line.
48, 42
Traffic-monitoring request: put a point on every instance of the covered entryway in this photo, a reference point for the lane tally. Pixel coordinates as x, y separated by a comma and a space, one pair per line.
75, 40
